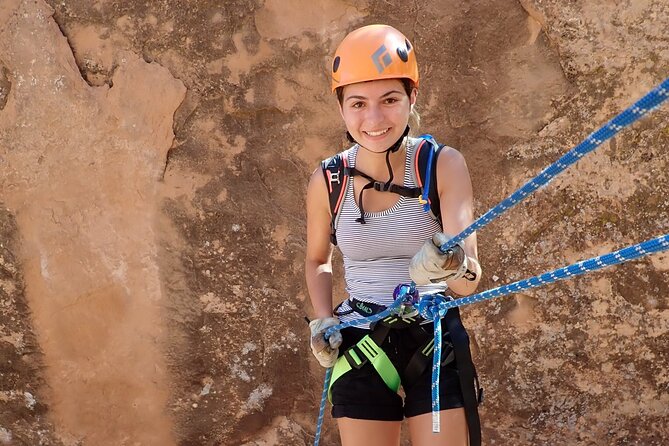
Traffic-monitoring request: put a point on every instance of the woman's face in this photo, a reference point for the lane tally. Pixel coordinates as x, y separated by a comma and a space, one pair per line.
376, 112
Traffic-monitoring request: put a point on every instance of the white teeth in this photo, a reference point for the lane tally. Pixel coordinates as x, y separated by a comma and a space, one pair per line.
379, 133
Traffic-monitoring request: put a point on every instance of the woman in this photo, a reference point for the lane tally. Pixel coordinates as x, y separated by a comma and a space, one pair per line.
386, 238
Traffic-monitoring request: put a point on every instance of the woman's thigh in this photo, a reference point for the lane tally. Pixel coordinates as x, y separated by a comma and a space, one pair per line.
355, 432
453, 430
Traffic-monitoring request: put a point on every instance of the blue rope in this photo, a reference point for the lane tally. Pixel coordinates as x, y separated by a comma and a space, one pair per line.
435, 306
644, 105
321, 411
430, 307
623, 255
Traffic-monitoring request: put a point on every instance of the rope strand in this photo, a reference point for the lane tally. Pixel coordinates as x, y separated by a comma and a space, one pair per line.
633, 113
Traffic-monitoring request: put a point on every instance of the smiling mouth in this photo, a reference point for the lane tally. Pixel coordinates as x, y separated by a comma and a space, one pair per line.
377, 133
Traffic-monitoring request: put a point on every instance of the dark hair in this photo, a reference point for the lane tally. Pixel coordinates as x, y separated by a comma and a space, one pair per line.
408, 88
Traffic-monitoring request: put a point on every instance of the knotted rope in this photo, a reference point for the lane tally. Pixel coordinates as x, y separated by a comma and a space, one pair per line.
431, 307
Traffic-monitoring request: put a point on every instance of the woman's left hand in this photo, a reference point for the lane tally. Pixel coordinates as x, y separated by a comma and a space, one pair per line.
431, 265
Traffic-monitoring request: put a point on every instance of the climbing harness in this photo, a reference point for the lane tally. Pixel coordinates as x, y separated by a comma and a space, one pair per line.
436, 307
406, 317
402, 299
368, 349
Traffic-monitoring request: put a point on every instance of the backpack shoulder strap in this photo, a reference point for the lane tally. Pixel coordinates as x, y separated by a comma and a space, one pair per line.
425, 171
336, 172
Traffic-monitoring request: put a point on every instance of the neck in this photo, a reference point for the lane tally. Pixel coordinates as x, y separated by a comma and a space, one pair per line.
374, 164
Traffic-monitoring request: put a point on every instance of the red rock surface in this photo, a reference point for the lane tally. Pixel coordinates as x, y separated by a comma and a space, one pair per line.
153, 163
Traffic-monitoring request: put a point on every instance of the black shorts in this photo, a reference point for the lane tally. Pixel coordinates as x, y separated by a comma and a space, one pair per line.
362, 394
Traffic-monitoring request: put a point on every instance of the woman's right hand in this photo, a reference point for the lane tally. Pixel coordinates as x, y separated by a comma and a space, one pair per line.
326, 351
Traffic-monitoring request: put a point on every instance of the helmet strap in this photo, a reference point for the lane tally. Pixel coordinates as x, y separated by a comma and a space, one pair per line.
395, 147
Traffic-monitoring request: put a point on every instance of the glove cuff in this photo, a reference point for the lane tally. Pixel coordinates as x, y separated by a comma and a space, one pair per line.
462, 269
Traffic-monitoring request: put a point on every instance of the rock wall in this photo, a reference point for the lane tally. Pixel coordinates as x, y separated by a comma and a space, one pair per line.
153, 163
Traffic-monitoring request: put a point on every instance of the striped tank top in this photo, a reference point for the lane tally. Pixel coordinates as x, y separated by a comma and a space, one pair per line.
377, 254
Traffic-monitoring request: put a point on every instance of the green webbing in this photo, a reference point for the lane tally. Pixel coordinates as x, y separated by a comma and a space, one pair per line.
376, 356
341, 366
428, 348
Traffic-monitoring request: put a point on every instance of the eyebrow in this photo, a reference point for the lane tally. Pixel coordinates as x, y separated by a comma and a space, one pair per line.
382, 96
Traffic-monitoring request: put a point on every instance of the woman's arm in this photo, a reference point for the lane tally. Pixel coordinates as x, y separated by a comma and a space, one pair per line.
457, 211
318, 263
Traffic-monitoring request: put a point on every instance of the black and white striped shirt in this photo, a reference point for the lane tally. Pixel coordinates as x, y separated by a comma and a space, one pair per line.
377, 254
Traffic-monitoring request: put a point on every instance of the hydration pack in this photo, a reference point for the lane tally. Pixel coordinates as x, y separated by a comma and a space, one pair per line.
338, 173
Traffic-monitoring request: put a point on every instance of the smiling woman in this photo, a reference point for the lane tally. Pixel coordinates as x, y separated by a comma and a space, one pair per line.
386, 238
375, 113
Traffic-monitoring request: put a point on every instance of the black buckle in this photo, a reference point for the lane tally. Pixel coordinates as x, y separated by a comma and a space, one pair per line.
447, 353
381, 187
351, 360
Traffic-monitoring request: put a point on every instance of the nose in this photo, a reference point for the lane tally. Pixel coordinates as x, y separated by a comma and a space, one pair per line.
374, 114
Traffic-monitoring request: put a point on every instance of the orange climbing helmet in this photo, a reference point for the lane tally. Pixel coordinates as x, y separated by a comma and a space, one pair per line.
373, 52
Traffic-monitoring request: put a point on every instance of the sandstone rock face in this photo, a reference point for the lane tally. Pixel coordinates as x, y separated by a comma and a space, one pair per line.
80, 174
153, 164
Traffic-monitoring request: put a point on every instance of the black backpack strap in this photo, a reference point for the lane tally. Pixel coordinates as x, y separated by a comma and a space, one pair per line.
425, 162
409, 192
472, 393
335, 171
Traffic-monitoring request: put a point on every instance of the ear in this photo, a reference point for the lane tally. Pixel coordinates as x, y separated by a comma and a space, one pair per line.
413, 96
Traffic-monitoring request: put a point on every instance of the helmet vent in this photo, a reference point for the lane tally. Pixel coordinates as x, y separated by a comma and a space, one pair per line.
403, 54
335, 64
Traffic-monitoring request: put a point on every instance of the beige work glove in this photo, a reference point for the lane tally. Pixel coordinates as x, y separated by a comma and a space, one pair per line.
430, 265
325, 351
